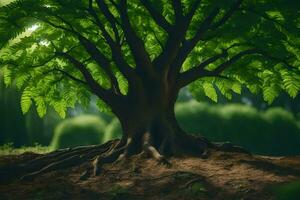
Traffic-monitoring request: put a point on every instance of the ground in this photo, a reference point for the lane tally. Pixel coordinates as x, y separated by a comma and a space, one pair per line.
220, 176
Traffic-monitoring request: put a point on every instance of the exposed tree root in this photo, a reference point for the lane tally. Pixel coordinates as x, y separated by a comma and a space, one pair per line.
56, 160
116, 151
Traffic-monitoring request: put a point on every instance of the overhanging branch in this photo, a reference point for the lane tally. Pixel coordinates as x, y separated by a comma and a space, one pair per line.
199, 71
108, 96
234, 7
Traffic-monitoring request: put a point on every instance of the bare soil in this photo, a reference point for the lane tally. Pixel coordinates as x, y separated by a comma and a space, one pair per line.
221, 176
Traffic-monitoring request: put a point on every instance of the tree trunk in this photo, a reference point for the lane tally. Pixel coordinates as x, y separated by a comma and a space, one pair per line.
149, 125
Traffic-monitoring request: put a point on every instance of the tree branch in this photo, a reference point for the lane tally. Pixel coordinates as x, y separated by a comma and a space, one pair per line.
109, 16
65, 74
177, 9
143, 61
71, 76
108, 96
118, 58
96, 55
234, 7
92, 49
189, 45
158, 18
192, 12
199, 71
189, 76
205, 26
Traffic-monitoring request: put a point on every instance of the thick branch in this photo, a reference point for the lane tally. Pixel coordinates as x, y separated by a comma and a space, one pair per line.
199, 71
96, 55
109, 16
158, 18
189, 45
91, 49
136, 45
116, 50
106, 95
177, 9
205, 26
192, 12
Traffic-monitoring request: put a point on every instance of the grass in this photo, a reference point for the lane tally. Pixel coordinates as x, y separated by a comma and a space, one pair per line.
9, 149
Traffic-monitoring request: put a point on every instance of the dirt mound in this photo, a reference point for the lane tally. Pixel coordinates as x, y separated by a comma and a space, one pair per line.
222, 176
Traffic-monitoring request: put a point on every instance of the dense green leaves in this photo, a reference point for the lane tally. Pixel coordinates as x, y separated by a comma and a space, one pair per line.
40, 28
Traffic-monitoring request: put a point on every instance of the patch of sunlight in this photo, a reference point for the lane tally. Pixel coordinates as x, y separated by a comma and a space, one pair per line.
33, 28
9, 149
44, 43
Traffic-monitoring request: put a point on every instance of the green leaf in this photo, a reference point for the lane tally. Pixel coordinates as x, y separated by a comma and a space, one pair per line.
210, 91
236, 87
7, 76
270, 93
103, 107
26, 101
60, 108
21, 80
291, 83
41, 106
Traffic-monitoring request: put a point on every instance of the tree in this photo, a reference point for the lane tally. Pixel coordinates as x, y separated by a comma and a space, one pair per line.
135, 55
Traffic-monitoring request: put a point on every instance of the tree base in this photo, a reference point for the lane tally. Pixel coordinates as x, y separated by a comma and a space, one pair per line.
224, 175
114, 151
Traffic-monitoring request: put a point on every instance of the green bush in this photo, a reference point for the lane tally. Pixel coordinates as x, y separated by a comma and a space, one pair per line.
113, 130
273, 132
78, 131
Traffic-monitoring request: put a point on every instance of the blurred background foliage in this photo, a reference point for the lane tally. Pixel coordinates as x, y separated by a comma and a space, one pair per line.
246, 120
287, 191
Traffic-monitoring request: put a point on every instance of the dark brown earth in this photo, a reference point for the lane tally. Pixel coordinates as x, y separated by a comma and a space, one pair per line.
221, 176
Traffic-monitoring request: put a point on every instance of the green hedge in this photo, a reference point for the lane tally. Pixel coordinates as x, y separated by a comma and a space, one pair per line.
78, 131
113, 130
273, 132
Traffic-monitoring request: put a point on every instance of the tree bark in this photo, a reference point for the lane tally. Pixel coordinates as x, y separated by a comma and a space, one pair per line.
149, 125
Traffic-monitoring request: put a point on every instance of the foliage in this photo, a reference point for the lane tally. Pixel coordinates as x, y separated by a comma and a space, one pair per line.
20, 129
257, 39
78, 131
287, 191
273, 132
113, 130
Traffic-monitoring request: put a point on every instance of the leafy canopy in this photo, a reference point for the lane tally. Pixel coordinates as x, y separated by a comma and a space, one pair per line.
59, 52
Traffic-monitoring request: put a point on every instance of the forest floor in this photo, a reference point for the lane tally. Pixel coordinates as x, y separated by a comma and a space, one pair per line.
221, 176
